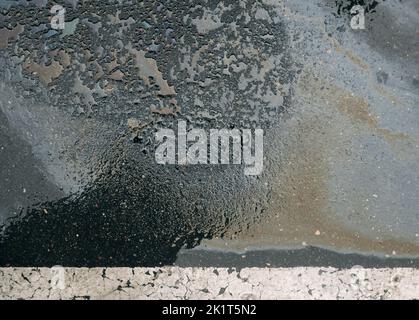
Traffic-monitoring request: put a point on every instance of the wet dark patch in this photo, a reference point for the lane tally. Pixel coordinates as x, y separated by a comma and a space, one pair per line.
164, 31
124, 220
23, 180
308, 257
132, 212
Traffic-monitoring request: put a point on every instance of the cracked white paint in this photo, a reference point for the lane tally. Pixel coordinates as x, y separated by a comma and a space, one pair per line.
211, 283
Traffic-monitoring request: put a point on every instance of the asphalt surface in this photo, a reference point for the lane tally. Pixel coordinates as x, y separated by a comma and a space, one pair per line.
79, 107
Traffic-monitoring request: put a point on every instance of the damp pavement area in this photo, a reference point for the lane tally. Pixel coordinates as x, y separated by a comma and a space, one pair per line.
79, 107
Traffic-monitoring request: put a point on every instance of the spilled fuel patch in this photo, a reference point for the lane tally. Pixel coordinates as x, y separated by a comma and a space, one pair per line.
81, 103
126, 222
88, 99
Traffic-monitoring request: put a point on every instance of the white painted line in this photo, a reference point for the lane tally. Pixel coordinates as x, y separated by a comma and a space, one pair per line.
209, 283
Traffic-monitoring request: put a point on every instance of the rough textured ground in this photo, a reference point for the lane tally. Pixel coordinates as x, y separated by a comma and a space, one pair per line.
78, 108
211, 283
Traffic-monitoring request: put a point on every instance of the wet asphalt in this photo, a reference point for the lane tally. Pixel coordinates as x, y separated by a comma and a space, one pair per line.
79, 108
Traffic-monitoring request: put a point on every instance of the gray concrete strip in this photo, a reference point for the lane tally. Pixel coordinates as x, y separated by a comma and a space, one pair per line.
208, 283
